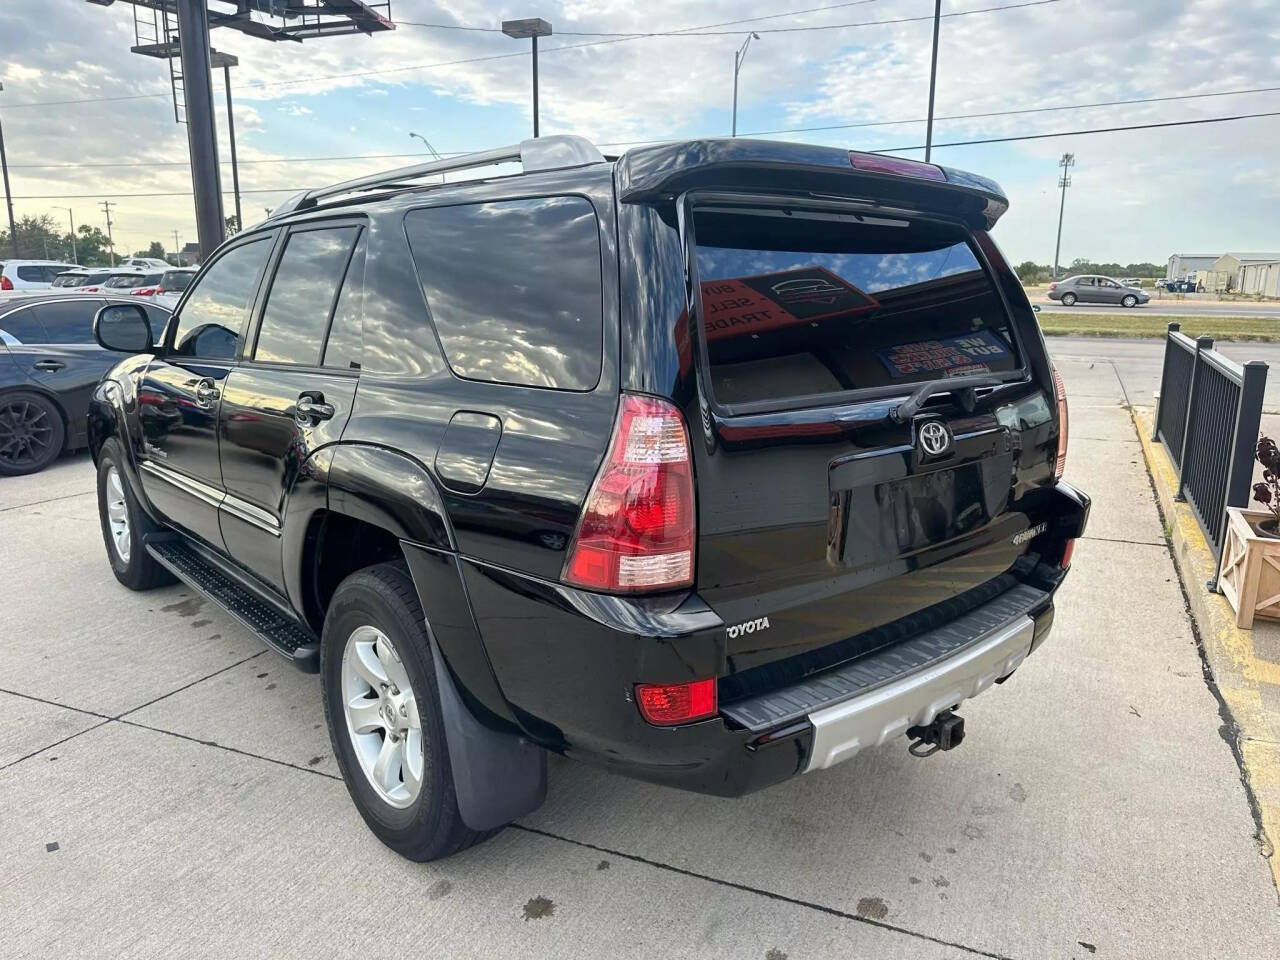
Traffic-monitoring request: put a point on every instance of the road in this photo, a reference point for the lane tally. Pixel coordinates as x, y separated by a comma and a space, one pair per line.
1173, 309
168, 787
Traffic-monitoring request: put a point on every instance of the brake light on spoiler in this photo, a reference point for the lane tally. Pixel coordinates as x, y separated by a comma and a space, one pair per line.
895, 166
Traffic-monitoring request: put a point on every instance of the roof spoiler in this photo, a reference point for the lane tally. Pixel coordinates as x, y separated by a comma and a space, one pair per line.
650, 173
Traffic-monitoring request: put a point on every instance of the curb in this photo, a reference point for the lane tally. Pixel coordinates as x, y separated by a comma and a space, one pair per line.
1234, 673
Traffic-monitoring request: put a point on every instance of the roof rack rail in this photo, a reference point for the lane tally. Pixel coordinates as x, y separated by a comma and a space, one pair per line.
557, 152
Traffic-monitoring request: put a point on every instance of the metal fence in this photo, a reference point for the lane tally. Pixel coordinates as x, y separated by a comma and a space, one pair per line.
1207, 416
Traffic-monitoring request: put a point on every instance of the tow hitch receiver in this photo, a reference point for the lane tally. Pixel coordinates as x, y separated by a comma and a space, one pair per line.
945, 733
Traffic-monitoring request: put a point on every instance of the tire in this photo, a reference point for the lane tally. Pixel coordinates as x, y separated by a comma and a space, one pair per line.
31, 433
1128, 300
1068, 299
376, 610
125, 524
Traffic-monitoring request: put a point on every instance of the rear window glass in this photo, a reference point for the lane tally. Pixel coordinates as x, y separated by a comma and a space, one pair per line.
514, 289
176, 281
798, 305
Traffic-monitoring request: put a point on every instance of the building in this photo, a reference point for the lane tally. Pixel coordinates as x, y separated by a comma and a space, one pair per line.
1185, 264
189, 255
1260, 278
1231, 267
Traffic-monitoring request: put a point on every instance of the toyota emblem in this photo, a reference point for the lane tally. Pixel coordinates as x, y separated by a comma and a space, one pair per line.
935, 438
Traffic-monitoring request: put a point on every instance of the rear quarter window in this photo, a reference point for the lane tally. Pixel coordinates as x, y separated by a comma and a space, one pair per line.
514, 289
798, 307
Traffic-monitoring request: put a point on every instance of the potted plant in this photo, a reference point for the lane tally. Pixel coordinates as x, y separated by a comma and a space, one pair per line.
1249, 576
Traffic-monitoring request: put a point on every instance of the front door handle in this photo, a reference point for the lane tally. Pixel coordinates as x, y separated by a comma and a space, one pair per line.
311, 408
206, 392
53, 366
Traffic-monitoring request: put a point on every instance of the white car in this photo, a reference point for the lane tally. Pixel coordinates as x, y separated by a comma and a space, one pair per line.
146, 263
132, 283
30, 274
172, 284
95, 279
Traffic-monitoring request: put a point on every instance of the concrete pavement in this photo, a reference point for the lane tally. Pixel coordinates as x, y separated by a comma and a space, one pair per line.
186, 779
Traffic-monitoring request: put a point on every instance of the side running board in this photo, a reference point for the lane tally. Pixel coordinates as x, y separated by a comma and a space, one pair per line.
283, 634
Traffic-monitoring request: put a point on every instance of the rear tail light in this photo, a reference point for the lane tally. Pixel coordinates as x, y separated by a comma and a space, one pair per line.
878, 163
144, 292
669, 703
636, 532
1066, 553
1060, 394
6, 283
1053, 286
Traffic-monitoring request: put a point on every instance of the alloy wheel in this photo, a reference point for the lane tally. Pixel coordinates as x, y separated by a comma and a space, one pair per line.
25, 434
118, 515
382, 716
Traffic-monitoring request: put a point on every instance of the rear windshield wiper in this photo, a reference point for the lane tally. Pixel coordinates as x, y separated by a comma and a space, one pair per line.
964, 386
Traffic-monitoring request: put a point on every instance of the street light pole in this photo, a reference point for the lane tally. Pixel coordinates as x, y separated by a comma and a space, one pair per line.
435, 154
8, 197
231, 131
933, 79
739, 56
533, 28
75, 258
1066, 163
202, 135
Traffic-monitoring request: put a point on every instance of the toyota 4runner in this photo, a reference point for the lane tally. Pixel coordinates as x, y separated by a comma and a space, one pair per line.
713, 464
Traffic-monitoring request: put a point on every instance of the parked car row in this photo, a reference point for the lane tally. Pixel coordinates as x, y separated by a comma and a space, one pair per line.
49, 365
141, 276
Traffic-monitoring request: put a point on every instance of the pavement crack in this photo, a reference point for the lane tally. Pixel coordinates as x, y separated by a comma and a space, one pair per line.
50, 746
36, 503
1136, 543
55, 703
758, 891
223, 746
188, 686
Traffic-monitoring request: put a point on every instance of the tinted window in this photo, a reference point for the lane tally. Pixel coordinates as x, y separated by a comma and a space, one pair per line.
301, 298
514, 289
213, 316
801, 305
31, 274
68, 322
176, 281
24, 325
345, 341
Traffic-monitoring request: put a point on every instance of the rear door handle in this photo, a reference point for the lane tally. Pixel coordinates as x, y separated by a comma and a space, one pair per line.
51, 365
312, 408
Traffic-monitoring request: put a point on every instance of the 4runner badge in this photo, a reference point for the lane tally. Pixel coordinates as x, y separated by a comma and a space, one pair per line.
1020, 538
749, 626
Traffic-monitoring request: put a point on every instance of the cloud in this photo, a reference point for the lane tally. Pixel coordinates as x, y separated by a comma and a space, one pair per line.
1133, 194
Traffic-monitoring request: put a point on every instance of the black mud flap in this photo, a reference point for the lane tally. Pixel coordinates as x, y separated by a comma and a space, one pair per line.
499, 777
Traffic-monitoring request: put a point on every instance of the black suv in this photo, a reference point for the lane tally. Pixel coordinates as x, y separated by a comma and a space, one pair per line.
713, 464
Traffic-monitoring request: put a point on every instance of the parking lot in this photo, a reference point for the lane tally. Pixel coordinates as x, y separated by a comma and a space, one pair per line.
167, 788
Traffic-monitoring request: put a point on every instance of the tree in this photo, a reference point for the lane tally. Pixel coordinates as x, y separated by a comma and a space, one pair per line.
232, 226
155, 251
91, 244
38, 239
1031, 272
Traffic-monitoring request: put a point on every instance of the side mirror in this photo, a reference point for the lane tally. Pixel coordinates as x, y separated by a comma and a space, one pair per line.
123, 327
1035, 307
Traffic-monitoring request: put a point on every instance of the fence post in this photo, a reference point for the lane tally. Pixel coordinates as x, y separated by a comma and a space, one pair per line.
1164, 368
1243, 444
1202, 344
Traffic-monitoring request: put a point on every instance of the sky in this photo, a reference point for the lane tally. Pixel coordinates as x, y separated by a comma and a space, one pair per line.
1135, 196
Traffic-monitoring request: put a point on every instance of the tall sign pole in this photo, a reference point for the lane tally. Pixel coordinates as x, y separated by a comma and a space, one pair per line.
532, 27
8, 197
202, 134
933, 80
1066, 163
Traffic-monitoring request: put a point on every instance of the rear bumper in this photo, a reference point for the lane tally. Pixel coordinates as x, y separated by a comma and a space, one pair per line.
567, 662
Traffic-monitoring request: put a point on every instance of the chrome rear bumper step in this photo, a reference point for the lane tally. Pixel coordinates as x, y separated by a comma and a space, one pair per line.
868, 700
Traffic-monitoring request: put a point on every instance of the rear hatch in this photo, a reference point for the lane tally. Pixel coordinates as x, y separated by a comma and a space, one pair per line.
827, 507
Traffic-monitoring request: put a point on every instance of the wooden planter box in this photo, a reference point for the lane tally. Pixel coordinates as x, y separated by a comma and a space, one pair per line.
1250, 573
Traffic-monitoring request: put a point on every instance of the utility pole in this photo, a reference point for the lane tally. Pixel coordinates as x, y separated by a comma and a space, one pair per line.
933, 79
177, 250
1066, 163
8, 197
533, 27
75, 258
231, 130
739, 58
106, 206
202, 133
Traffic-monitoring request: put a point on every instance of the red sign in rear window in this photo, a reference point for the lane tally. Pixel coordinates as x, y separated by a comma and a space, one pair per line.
771, 301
